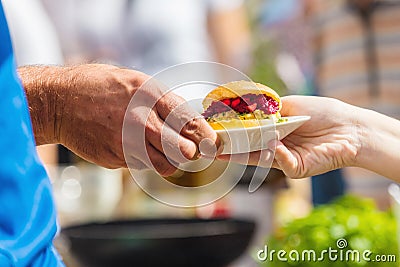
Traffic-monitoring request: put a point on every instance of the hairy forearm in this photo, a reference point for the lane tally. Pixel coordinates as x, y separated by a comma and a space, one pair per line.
380, 143
43, 86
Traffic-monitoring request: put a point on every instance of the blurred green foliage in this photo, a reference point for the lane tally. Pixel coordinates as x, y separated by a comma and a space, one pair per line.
263, 52
263, 69
356, 220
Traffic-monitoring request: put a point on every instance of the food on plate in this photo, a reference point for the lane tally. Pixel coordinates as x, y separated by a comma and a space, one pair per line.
242, 104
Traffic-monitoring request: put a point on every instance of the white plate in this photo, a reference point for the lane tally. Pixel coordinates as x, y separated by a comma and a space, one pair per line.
243, 140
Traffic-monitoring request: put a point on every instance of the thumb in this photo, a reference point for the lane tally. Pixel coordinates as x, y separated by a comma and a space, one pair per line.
285, 159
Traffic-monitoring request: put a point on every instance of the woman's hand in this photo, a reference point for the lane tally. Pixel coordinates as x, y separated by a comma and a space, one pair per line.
338, 135
329, 140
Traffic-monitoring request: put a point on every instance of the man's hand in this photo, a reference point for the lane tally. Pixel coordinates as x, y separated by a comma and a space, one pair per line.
83, 108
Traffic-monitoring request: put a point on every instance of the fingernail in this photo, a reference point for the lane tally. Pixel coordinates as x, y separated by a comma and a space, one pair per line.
208, 147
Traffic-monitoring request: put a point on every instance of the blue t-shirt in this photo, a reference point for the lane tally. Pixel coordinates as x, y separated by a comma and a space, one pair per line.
27, 213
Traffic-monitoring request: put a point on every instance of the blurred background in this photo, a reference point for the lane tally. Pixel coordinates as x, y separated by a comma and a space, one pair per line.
347, 49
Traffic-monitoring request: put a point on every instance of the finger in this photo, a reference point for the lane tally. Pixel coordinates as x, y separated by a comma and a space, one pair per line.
136, 164
183, 119
168, 141
226, 157
285, 159
286, 106
165, 167
275, 165
294, 105
263, 158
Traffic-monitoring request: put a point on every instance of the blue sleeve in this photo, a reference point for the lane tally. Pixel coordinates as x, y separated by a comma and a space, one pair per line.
27, 213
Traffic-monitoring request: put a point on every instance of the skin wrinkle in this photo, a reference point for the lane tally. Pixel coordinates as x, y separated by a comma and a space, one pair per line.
179, 116
62, 95
362, 136
191, 127
183, 151
58, 120
359, 134
301, 169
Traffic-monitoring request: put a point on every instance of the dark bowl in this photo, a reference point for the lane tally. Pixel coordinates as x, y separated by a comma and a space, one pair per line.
160, 242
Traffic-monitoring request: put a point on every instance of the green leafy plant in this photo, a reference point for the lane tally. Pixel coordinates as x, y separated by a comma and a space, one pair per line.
263, 69
353, 220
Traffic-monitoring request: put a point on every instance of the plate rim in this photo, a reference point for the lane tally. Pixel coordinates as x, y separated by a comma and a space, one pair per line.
297, 118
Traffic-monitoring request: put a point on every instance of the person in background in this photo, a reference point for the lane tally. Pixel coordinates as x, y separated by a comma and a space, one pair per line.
356, 44
284, 23
355, 48
130, 34
64, 104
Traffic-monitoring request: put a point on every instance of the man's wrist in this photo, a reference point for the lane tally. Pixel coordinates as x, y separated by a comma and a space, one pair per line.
44, 88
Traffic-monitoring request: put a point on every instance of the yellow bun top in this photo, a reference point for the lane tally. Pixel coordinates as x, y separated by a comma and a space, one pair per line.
239, 88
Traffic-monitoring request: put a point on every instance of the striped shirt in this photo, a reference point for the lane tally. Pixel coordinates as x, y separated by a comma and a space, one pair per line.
357, 55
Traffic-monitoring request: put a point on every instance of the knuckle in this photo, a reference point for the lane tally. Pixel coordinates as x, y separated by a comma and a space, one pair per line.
192, 127
151, 130
138, 79
152, 127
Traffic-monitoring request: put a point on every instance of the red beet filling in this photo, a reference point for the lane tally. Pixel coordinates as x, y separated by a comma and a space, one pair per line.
245, 104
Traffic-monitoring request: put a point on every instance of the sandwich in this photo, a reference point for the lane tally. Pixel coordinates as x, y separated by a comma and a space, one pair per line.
242, 104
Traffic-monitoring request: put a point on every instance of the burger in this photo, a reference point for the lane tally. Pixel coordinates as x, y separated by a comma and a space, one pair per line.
242, 104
